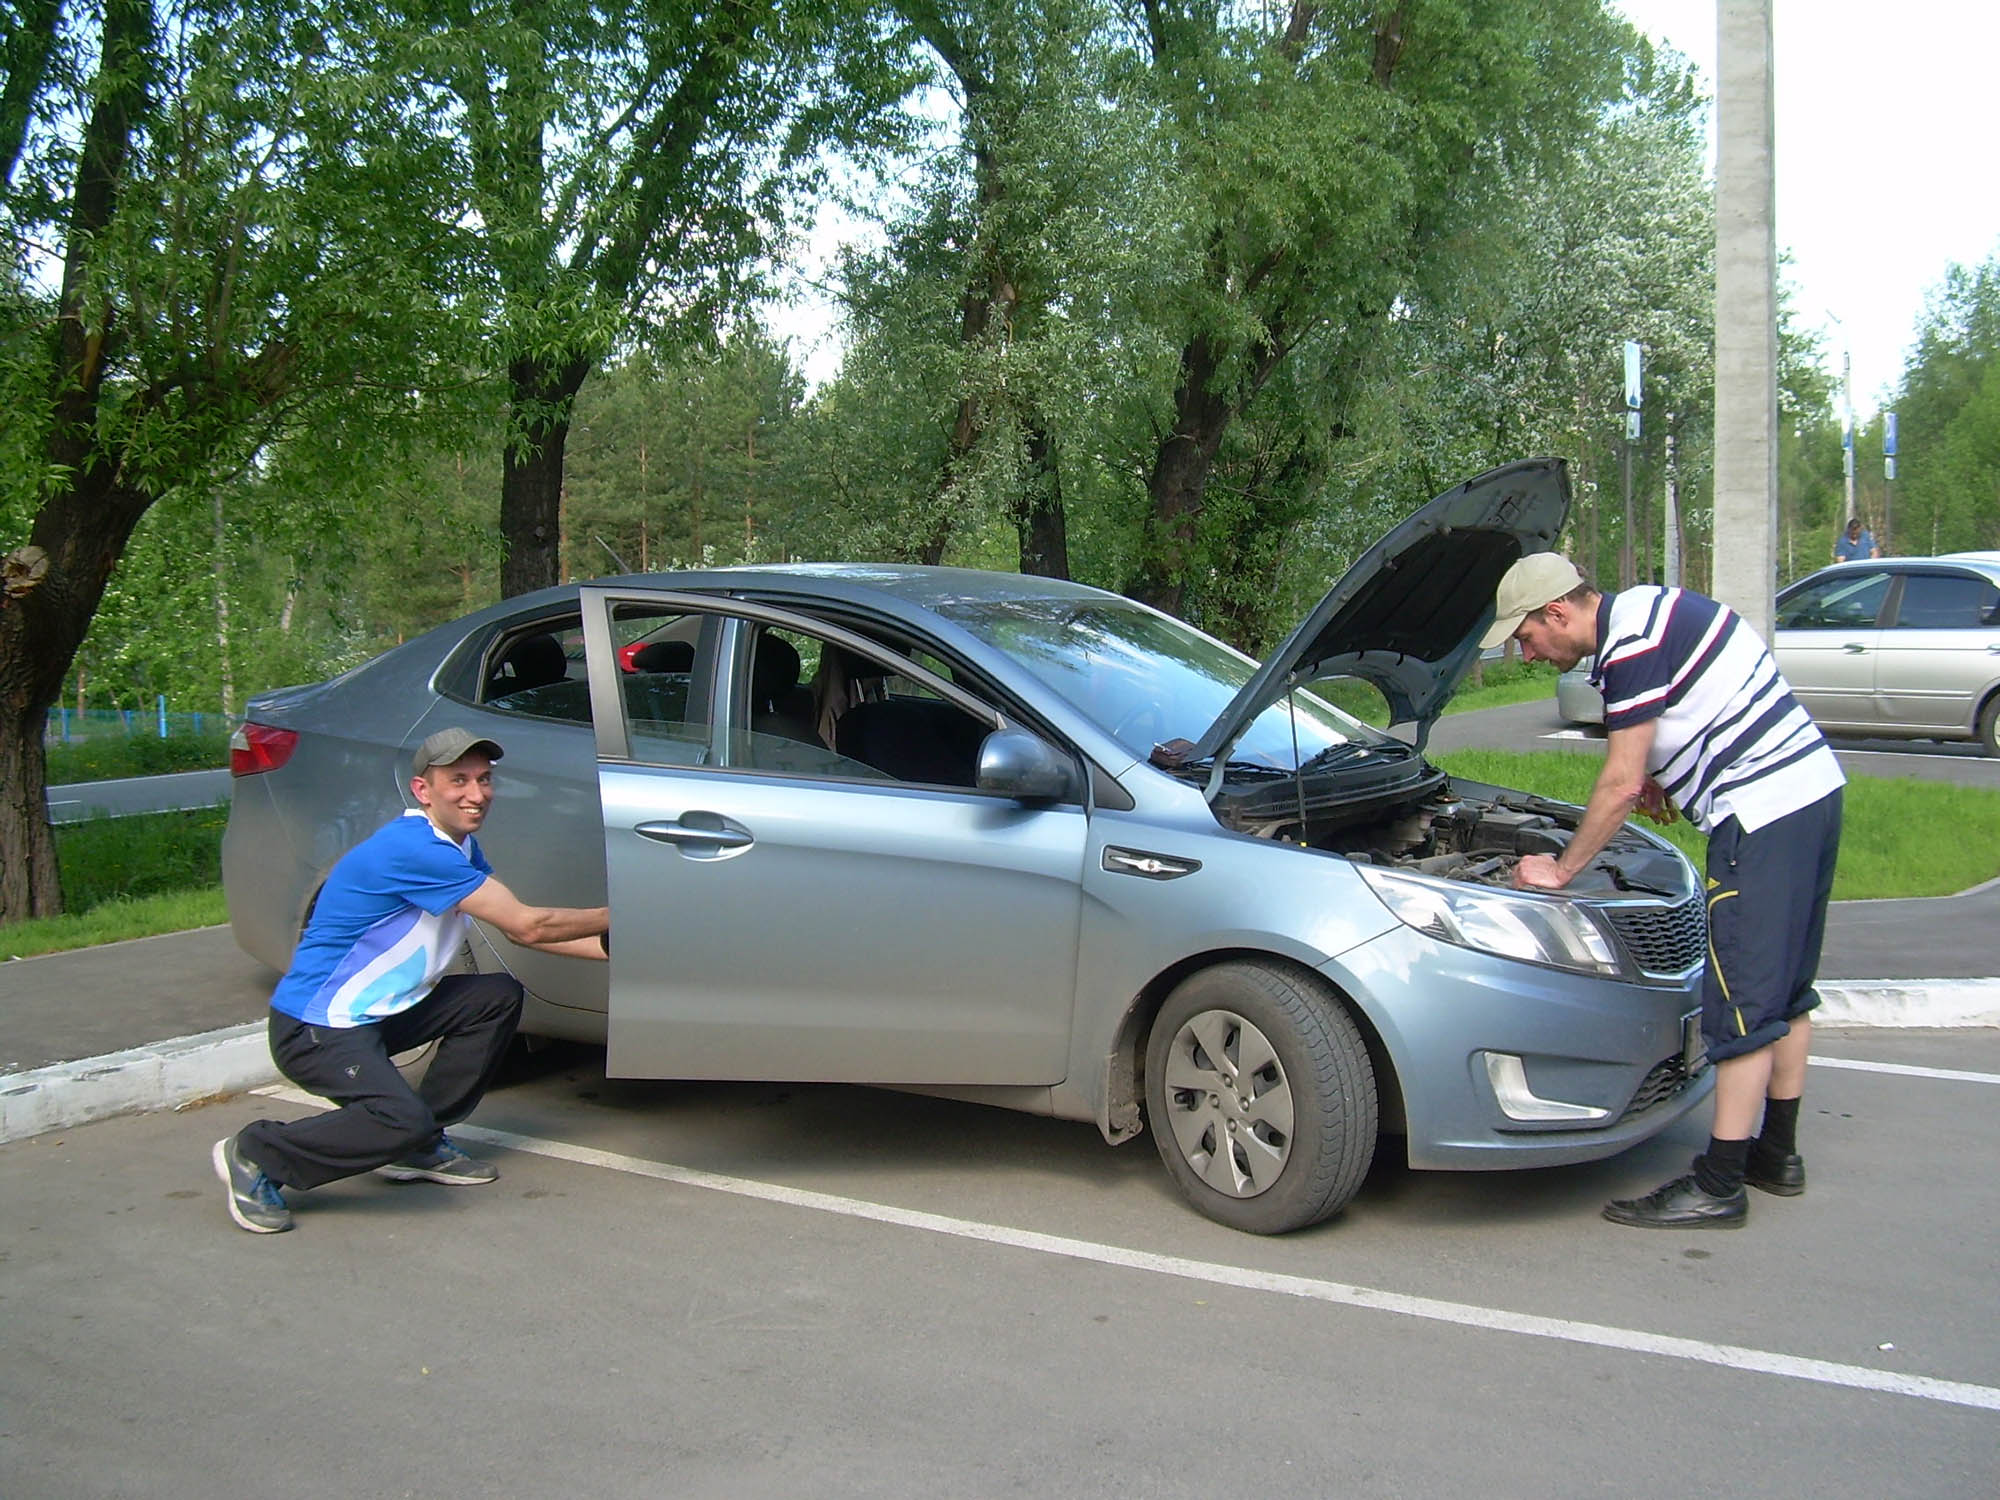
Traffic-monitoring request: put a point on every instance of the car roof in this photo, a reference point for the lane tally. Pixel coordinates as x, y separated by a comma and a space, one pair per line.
911, 583
1987, 563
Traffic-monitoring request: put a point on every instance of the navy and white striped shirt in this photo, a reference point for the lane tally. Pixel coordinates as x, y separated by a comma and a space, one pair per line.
1732, 740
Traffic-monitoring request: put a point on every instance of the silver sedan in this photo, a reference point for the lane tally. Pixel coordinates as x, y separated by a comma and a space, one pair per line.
1022, 841
1903, 648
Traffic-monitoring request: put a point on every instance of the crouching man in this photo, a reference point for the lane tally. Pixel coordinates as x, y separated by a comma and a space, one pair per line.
368, 982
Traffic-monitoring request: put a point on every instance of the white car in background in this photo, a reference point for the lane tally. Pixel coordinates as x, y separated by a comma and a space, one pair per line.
1899, 647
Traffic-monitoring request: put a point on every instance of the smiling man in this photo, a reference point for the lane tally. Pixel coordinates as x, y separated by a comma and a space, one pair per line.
368, 981
1696, 713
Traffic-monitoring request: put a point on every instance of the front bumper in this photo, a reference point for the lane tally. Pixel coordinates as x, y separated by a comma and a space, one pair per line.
1508, 1064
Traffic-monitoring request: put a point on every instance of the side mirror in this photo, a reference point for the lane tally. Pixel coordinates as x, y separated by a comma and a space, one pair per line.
1027, 767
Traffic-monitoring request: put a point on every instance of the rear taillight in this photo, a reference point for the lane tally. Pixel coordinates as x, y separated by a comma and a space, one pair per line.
260, 747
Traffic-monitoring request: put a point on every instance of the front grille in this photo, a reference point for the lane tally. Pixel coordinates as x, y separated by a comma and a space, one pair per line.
1665, 1081
1663, 940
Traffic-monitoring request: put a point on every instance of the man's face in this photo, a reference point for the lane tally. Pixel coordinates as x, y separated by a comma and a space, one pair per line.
1555, 634
455, 797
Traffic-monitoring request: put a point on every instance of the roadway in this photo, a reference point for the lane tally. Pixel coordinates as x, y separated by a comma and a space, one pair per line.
757, 1290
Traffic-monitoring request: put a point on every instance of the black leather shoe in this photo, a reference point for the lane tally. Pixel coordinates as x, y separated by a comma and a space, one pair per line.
1681, 1204
1783, 1175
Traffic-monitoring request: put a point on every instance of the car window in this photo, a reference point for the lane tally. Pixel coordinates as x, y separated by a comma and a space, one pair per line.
1146, 678
539, 671
1946, 601
664, 699
1840, 603
817, 709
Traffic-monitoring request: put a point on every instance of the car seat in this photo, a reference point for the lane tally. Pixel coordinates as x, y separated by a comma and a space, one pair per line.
778, 704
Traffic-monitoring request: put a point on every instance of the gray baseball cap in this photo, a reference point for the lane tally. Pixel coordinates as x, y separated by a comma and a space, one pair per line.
448, 745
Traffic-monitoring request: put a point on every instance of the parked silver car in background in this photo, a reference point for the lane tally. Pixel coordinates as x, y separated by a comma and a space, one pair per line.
1024, 842
1899, 647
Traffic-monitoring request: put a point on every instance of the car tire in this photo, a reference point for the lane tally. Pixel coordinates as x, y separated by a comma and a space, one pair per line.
1989, 726
1261, 1097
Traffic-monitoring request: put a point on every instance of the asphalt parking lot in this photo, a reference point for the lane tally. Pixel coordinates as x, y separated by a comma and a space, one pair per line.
756, 1290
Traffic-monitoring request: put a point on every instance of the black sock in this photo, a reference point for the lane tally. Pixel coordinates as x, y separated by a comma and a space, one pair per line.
1780, 1136
1719, 1169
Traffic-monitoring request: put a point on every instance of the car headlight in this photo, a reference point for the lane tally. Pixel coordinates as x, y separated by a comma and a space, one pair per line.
1541, 929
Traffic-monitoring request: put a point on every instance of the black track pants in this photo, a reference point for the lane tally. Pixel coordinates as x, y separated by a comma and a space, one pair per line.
381, 1118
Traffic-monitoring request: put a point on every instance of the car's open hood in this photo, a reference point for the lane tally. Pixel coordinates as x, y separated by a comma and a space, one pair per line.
1409, 614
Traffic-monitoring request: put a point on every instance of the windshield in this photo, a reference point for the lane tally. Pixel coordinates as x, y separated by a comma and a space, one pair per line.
1147, 678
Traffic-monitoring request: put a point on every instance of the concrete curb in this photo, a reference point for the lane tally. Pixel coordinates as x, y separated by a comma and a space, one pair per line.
165, 1075
185, 1070
1932, 1004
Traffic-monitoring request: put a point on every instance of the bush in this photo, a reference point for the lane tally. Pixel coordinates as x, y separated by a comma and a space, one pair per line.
105, 859
106, 757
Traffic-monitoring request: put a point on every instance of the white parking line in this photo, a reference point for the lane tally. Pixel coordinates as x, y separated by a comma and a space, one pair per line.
1431, 1309
1903, 1070
1824, 1372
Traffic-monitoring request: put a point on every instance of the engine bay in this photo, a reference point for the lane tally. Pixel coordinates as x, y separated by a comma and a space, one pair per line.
1478, 833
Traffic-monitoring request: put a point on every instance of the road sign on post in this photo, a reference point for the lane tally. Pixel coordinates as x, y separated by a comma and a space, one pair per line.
1627, 556
1888, 483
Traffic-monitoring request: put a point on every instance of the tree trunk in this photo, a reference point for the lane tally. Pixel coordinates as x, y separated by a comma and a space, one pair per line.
1043, 527
1180, 473
531, 473
30, 884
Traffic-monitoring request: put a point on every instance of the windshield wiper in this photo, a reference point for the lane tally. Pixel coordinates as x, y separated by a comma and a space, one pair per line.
1352, 750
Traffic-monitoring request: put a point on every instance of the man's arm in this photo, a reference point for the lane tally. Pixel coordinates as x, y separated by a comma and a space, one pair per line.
536, 926
1621, 786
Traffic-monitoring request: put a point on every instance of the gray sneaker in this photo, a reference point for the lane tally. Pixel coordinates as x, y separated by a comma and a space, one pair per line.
444, 1163
254, 1200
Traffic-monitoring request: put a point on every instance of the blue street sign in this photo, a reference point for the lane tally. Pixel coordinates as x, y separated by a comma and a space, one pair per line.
1889, 435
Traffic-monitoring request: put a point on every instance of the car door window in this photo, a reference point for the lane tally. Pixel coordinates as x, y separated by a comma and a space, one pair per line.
1847, 602
539, 671
663, 696
818, 708
1946, 601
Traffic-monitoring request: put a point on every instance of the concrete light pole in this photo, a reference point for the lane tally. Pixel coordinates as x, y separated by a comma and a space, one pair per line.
1746, 315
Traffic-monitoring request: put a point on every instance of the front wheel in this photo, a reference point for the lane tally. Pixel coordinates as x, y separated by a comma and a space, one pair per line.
1989, 726
1261, 1097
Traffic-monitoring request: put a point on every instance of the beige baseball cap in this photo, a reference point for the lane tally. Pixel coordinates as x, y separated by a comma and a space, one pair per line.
448, 745
1537, 579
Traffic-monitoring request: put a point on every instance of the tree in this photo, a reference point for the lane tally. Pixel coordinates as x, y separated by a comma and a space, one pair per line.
1329, 158
629, 166
684, 464
1949, 418
219, 222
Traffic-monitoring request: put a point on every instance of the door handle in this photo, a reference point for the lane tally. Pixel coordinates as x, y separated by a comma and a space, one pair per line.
1855, 648
682, 834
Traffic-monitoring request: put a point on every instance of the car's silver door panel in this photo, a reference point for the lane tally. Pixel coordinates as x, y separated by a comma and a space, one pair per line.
771, 925
1826, 644
1832, 673
1935, 663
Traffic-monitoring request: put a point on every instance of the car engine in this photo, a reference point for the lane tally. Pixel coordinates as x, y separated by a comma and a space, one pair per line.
1473, 832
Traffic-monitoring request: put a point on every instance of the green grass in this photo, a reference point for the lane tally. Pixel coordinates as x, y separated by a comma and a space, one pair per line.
114, 921
110, 756
111, 859
1899, 837
130, 877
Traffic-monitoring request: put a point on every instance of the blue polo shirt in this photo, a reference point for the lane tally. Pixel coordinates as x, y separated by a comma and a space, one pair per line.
386, 926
